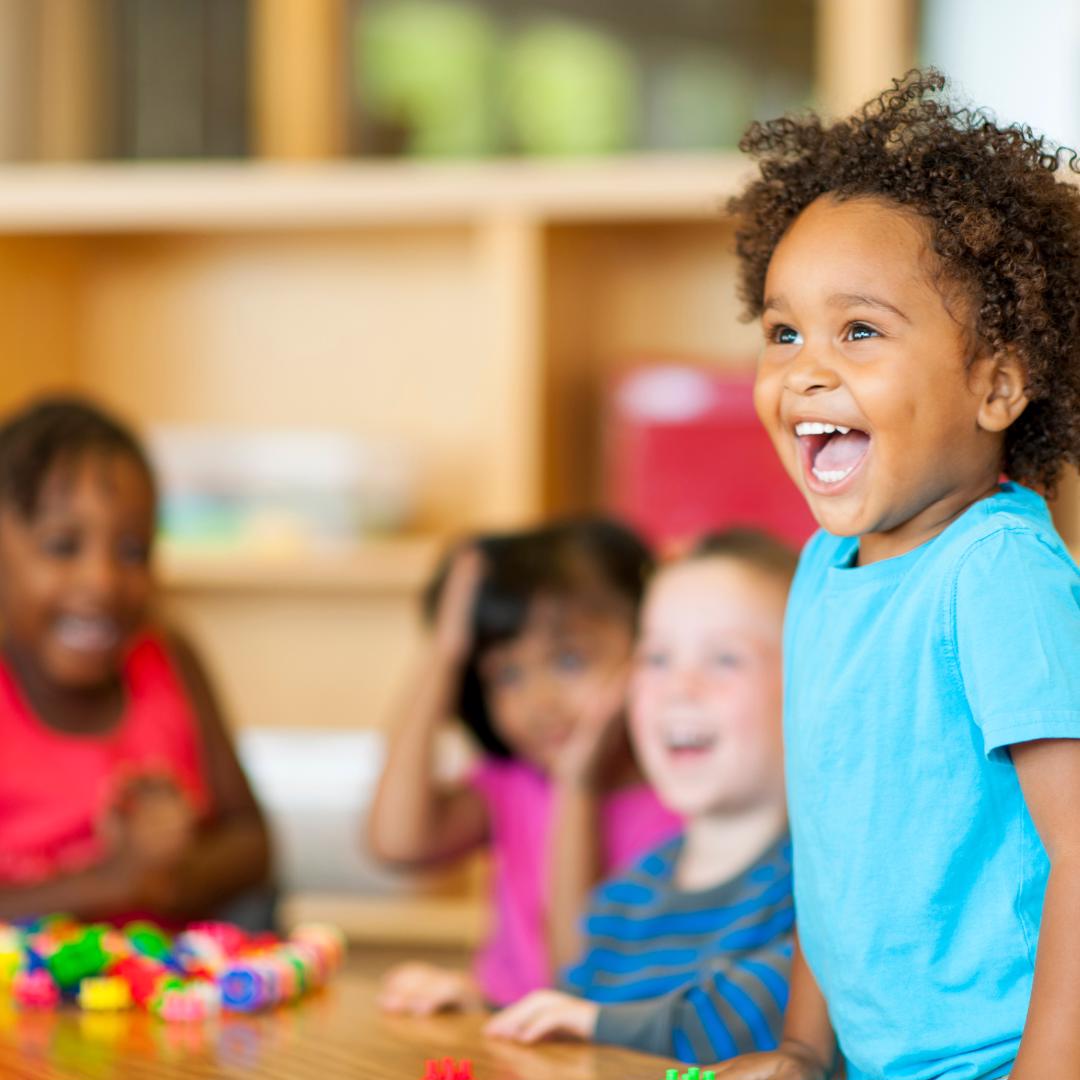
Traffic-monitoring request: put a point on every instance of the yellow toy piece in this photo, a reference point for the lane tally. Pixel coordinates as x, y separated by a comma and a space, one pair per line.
9, 964
104, 994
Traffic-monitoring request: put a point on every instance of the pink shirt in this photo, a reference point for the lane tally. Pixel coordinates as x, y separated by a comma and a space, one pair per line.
55, 788
514, 960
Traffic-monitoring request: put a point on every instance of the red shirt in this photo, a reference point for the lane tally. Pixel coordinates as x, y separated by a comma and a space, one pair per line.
56, 787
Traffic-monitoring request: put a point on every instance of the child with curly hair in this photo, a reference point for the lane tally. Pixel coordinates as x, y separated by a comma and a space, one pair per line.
916, 269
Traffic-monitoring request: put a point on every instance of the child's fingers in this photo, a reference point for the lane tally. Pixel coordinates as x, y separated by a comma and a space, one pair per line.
505, 1024
522, 1021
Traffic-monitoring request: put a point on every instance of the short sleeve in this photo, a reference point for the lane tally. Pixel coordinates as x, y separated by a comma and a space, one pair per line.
1016, 624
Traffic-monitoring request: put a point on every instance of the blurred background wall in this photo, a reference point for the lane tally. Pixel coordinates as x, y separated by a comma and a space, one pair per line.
370, 274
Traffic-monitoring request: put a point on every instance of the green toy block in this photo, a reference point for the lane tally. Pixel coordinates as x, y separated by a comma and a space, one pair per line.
76, 960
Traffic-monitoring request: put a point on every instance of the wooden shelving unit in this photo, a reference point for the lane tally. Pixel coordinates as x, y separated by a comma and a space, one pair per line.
475, 312
274, 197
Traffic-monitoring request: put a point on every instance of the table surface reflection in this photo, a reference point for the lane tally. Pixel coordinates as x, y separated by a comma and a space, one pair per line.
335, 1034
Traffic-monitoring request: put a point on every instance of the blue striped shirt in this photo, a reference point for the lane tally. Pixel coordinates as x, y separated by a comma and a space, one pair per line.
700, 976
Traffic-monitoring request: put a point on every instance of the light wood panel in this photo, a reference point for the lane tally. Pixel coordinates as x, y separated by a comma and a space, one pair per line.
71, 78
294, 659
385, 333
861, 46
151, 197
40, 305
298, 51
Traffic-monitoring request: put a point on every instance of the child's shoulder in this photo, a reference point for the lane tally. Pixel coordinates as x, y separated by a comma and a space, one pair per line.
1011, 533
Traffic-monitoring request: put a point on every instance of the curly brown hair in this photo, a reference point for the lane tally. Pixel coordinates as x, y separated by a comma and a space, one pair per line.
1003, 226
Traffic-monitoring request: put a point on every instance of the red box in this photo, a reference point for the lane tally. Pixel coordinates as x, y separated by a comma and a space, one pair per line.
685, 454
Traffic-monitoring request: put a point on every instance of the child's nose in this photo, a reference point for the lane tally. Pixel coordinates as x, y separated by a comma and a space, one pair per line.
688, 682
100, 575
811, 371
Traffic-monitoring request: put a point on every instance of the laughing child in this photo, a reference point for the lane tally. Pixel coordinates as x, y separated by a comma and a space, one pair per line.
916, 269
120, 791
530, 639
688, 954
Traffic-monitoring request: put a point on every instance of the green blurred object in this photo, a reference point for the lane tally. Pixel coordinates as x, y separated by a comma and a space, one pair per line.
700, 99
75, 960
570, 90
427, 67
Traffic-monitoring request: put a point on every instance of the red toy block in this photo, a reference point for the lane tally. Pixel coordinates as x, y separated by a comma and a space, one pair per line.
447, 1069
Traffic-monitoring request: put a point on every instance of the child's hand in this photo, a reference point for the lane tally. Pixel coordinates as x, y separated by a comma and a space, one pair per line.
417, 989
782, 1064
453, 621
543, 1014
151, 825
600, 733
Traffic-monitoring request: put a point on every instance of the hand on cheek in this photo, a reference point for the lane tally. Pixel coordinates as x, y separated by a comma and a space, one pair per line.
600, 732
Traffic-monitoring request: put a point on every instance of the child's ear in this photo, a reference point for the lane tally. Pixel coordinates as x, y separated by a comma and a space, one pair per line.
1005, 389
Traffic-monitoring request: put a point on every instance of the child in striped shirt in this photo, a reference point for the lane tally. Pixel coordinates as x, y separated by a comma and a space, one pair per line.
688, 954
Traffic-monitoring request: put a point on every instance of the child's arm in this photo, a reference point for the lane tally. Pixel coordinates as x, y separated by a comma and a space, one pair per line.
575, 862
1049, 772
734, 1011
231, 851
413, 820
807, 1048
95, 893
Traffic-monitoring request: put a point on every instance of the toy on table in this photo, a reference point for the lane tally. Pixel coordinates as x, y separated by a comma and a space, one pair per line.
693, 1073
194, 975
447, 1069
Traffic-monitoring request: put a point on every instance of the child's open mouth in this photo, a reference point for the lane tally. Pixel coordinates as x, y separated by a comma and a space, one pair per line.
689, 745
831, 453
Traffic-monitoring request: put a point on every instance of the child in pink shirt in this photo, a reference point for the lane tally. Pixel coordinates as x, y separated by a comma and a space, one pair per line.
531, 638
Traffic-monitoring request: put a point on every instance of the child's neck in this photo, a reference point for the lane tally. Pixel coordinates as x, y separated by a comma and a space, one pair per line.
718, 847
73, 710
928, 523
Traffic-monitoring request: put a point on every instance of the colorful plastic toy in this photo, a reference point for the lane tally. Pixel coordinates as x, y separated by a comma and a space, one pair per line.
447, 1069
693, 1073
208, 967
105, 993
35, 990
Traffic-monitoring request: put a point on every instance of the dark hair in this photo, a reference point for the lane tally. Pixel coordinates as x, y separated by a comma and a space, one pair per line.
55, 431
753, 547
1002, 225
593, 560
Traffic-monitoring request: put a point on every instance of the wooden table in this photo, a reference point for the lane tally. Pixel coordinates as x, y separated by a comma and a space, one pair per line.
334, 1035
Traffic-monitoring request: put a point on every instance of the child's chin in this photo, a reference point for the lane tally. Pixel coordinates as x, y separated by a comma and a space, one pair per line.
82, 671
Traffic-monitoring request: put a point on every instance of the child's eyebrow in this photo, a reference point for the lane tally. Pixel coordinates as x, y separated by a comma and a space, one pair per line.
864, 300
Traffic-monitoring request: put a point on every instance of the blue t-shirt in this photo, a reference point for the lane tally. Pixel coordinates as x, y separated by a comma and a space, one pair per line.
919, 875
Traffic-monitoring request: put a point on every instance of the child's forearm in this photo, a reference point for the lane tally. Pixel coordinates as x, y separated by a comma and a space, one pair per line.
807, 1031
1050, 1048
224, 860
411, 820
96, 893
574, 867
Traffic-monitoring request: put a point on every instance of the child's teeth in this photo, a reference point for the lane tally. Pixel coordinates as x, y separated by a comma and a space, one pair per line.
87, 633
814, 427
831, 476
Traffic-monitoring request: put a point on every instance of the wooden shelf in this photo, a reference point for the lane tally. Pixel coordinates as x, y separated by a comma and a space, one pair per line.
236, 197
404, 921
392, 566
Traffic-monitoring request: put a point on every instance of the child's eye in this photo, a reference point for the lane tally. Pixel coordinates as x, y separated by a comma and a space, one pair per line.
653, 659
505, 676
861, 332
569, 661
724, 660
784, 335
60, 545
134, 552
